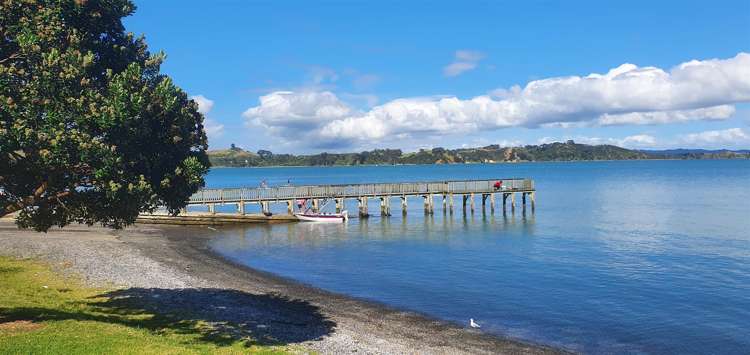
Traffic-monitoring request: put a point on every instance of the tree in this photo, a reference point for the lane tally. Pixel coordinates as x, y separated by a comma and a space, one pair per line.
265, 154
90, 131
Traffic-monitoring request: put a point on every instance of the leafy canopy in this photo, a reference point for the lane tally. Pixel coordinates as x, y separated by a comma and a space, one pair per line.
90, 131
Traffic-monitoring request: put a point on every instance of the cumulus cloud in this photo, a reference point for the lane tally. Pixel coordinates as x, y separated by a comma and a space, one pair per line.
295, 115
627, 94
732, 137
720, 112
213, 128
464, 61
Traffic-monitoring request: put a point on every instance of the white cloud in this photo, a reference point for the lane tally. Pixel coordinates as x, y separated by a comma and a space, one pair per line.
469, 56
625, 95
638, 140
720, 112
732, 138
464, 61
728, 138
213, 129
360, 100
295, 115
458, 68
204, 104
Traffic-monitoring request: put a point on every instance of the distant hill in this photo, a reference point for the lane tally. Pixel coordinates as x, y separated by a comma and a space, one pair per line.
698, 153
233, 157
568, 151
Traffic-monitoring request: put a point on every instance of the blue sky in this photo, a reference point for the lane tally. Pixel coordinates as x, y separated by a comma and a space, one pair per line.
304, 76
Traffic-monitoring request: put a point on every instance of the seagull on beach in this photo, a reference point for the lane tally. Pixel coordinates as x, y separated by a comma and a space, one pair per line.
473, 324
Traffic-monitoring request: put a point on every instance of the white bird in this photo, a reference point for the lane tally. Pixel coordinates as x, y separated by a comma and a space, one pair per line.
212, 228
473, 324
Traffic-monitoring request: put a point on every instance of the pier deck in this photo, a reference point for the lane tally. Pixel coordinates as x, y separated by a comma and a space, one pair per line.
385, 192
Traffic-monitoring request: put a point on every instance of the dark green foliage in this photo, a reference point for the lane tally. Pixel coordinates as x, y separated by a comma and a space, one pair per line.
90, 131
572, 151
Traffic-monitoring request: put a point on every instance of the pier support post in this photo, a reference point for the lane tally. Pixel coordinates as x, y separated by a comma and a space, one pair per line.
265, 207
471, 203
290, 207
464, 198
428, 204
505, 199
513, 201
363, 207
212, 208
339, 205
484, 201
450, 203
445, 204
404, 205
316, 205
533, 200
492, 203
523, 200
385, 206
241, 208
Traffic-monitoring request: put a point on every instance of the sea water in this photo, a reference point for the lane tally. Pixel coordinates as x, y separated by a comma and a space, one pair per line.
618, 257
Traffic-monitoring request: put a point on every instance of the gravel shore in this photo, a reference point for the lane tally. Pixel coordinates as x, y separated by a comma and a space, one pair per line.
170, 268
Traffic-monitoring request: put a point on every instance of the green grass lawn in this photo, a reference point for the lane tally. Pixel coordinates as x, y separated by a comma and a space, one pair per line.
44, 312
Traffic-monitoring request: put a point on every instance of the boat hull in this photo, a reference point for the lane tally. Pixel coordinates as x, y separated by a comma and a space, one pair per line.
322, 218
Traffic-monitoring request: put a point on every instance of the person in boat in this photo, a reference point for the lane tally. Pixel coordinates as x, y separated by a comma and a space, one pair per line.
301, 203
498, 185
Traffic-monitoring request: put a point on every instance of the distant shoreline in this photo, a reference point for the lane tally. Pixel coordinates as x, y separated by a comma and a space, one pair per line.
478, 163
492, 154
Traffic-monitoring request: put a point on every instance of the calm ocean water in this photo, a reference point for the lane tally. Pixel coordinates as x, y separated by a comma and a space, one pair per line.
619, 257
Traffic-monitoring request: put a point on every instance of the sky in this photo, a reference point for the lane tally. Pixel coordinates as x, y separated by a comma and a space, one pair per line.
312, 76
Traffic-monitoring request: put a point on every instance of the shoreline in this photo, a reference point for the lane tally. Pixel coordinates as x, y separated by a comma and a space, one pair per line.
178, 257
467, 163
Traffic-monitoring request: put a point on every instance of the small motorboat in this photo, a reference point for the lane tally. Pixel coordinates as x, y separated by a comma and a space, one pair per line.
322, 217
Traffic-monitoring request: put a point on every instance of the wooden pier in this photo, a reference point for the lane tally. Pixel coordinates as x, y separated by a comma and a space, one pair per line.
444, 191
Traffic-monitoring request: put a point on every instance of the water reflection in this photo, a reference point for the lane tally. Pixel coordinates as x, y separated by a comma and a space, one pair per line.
430, 227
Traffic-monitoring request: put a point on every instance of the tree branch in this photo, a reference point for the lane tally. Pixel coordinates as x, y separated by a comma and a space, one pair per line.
33, 200
12, 56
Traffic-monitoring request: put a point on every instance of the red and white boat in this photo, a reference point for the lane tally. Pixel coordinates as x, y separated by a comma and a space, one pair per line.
322, 217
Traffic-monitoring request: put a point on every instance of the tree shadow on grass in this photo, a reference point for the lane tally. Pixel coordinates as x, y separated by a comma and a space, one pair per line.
218, 316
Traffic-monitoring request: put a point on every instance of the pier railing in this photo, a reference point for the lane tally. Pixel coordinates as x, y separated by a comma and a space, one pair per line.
259, 194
